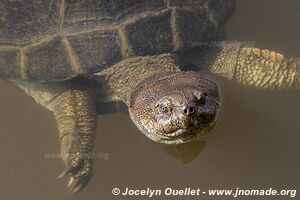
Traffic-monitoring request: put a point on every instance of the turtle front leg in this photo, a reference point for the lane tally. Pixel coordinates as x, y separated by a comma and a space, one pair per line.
263, 68
73, 105
74, 111
259, 68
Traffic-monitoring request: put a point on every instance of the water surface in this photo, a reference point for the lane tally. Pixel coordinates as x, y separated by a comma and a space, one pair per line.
254, 146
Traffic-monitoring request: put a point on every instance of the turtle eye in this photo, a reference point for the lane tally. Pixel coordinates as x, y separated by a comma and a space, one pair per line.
202, 99
164, 108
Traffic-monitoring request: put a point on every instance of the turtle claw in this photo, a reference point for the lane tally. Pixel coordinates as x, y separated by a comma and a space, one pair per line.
64, 173
71, 181
80, 176
76, 185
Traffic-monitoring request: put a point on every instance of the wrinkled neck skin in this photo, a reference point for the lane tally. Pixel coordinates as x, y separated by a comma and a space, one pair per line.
125, 76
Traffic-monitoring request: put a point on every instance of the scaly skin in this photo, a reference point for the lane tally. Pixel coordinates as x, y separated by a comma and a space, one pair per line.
125, 76
258, 68
74, 111
146, 84
267, 69
132, 80
176, 108
73, 105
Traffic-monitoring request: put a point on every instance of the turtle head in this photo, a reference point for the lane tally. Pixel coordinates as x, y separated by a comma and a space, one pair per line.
176, 108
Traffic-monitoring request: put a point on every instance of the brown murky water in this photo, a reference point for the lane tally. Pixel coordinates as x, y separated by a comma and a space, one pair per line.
254, 146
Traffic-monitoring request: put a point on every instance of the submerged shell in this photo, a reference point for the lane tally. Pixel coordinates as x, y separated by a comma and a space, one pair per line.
56, 40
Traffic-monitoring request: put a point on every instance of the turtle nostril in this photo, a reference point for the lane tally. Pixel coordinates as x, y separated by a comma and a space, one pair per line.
190, 109
185, 110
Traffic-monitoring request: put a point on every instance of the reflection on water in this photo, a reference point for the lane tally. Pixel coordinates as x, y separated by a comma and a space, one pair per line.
255, 144
187, 152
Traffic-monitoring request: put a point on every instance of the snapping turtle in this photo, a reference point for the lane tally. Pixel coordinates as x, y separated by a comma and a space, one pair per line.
71, 55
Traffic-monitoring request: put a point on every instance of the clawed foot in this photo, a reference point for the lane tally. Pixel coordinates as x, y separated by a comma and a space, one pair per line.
80, 172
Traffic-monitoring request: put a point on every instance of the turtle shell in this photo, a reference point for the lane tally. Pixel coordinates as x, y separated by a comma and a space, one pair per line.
55, 40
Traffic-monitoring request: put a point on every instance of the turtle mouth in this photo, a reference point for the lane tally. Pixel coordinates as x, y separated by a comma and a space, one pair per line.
177, 133
183, 135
